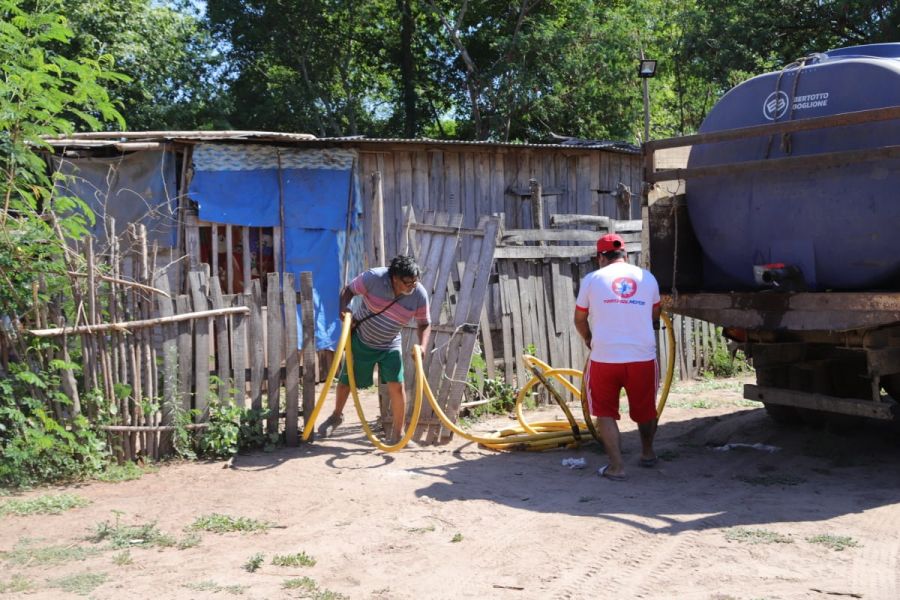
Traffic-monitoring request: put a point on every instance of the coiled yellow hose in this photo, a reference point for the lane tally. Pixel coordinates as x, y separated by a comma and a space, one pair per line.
528, 436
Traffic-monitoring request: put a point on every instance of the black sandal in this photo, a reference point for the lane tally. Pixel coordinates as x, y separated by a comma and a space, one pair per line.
333, 422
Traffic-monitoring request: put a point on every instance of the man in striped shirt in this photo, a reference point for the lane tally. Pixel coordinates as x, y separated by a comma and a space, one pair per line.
390, 298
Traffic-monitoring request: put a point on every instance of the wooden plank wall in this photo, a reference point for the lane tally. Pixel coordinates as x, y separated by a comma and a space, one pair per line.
479, 181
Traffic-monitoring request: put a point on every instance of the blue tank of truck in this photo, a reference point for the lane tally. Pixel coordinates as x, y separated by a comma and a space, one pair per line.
839, 224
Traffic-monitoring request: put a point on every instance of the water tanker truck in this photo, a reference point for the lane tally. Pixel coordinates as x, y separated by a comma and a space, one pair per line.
783, 228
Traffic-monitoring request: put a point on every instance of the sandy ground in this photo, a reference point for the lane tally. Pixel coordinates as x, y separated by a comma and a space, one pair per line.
459, 521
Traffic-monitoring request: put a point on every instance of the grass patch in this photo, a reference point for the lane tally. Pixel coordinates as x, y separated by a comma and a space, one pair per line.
254, 562
25, 554
457, 538
837, 543
82, 584
301, 559
188, 541
48, 504
120, 536
125, 472
421, 529
768, 480
123, 558
304, 584
708, 385
218, 523
16, 585
756, 536
215, 588
310, 589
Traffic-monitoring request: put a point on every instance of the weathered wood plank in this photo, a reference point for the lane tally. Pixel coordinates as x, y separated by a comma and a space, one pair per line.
558, 354
487, 344
601, 222
277, 248
309, 346
223, 355
185, 353
521, 253
291, 363
199, 282
403, 174
170, 353
239, 358
246, 267
594, 174
378, 256
436, 180
481, 264
229, 258
214, 250
584, 193
420, 180
515, 301
274, 350
452, 195
519, 236
508, 359
255, 341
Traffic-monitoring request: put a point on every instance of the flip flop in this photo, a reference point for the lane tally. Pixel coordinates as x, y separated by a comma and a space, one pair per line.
602, 472
649, 462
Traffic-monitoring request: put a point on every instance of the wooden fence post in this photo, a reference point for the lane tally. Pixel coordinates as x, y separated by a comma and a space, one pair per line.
274, 351
309, 347
291, 362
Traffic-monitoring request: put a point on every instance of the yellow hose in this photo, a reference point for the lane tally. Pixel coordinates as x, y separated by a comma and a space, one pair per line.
670, 365
529, 436
345, 348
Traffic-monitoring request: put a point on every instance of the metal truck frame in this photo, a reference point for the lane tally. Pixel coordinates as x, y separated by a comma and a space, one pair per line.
816, 354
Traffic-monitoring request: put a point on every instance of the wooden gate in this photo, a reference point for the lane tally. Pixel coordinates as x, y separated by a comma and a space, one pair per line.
455, 313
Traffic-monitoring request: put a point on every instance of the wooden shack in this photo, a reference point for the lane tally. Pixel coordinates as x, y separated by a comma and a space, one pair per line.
546, 205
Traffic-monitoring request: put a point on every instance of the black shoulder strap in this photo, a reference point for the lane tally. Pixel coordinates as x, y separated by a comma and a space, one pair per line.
356, 324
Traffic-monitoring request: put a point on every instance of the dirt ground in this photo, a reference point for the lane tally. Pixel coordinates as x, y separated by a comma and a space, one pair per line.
817, 517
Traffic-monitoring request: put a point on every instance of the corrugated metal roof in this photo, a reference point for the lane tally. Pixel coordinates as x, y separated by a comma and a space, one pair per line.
623, 147
114, 138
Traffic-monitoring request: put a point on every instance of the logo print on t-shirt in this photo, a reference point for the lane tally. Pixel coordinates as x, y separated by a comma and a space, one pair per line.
624, 287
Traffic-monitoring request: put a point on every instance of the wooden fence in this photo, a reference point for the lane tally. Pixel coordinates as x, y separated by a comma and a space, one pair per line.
538, 272
147, 355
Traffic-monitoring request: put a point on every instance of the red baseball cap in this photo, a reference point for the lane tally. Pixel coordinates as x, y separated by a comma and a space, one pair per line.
609, 243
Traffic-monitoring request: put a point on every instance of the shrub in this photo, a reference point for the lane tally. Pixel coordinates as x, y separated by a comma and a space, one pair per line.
35, 447
723, 364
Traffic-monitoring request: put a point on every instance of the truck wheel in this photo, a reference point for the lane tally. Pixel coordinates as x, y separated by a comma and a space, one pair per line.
785, 415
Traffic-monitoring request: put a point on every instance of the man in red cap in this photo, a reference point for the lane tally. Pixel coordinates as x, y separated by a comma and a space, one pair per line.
616, 313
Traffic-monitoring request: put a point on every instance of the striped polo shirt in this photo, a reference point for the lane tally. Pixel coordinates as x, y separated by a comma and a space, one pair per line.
376, 292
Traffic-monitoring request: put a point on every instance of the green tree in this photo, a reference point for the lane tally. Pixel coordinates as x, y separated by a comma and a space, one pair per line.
166, 51
42, 93
726, 41
322, 66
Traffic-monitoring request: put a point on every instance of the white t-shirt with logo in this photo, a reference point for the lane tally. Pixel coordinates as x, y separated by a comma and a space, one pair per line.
619, 300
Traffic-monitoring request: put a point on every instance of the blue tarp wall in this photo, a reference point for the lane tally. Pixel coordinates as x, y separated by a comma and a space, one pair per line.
244, 185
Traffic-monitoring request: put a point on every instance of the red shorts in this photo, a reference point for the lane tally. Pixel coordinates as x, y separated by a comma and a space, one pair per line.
640, 380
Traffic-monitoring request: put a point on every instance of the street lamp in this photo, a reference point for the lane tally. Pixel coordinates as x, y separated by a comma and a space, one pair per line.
646, 70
